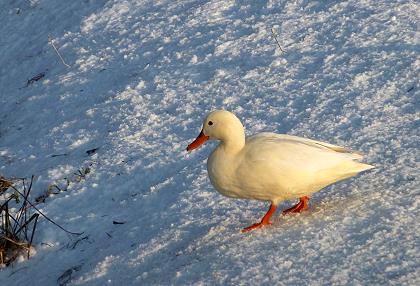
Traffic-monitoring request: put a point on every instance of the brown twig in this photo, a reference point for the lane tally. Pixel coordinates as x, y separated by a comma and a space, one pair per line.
275, 38
20, 244
50, 40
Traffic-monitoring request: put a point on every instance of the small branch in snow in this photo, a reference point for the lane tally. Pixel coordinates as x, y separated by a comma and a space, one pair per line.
74, 244
34, 79
67, 275
118, 222
58, 155
92, 151
275, 38
50, 40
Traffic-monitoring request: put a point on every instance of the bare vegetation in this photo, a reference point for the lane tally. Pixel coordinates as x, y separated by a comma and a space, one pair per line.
18, 221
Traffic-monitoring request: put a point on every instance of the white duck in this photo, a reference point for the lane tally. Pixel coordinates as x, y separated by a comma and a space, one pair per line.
271, 167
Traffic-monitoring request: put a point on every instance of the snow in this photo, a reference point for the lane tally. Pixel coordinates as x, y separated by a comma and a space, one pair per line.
142, 76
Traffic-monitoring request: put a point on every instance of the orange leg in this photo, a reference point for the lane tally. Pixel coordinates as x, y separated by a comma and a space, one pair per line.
302, 205
265, 220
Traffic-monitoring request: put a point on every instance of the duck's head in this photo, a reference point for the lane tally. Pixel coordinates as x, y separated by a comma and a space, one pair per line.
220, 125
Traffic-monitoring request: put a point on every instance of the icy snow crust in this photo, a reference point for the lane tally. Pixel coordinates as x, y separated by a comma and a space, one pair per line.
143, 75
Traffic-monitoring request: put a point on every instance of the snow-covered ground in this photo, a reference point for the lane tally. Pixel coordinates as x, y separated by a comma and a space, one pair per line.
142, 76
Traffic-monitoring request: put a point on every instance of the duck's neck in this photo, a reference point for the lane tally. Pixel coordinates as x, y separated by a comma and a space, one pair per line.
234, 143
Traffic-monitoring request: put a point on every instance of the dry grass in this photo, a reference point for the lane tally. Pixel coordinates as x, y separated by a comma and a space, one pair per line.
17, 221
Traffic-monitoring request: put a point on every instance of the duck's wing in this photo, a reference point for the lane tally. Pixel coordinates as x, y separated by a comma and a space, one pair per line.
296, 165
273, 137
291, 155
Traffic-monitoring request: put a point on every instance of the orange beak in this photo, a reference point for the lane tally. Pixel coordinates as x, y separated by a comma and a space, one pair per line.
201, 139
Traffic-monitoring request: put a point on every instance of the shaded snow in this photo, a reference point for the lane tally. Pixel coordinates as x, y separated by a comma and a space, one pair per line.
143, 75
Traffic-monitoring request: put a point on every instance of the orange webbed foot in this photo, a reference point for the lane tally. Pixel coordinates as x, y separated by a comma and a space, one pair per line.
302, 205
265, 220
255, 226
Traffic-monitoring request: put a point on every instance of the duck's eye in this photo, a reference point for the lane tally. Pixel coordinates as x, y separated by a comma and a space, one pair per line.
210, 123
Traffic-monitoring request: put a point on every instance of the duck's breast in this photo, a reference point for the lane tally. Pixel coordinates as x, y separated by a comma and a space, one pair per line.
221, 168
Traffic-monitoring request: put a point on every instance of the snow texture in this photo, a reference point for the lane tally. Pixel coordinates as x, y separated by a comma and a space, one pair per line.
142, 76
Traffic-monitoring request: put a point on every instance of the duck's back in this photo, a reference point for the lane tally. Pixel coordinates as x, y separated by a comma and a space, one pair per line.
290, 166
